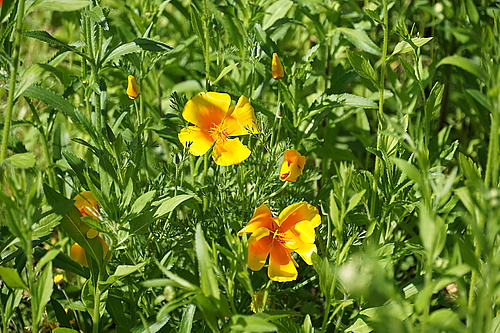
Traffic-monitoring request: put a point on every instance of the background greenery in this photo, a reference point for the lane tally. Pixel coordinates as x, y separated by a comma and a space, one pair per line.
395, 104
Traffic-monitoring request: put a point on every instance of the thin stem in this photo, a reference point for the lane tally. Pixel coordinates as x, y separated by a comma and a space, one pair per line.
12, 84
380, 113
207, 45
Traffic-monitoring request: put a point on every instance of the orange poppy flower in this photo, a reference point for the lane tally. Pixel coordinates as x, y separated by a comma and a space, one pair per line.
78, 254
133, 90
216, 125
277, 68
292, 166
88, 206
278, 237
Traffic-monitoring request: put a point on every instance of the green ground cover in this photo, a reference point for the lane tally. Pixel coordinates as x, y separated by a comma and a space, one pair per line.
236, 166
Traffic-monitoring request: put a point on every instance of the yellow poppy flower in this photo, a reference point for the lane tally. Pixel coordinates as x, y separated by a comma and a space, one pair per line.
216, 125
88, 206
78, 254
278, 237
132, 89
293, 163
277, 68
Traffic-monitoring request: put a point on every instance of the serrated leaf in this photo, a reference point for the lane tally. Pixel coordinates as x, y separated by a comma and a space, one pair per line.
44, 36
403, 46
22, 161
360, 39
33, 75
362, 66
465, 64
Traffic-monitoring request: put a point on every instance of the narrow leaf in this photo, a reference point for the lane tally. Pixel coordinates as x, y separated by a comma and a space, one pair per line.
466, 65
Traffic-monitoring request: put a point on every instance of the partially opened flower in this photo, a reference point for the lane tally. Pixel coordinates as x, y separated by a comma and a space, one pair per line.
277, 68
292, 166
78, 254
278, 237
88, 206
133, 90
216, 125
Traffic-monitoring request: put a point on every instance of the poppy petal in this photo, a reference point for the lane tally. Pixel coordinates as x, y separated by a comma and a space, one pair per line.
206, 109
241, 119
290, 172
259, 245
281, 265
229, 152
262, 218
306, 251
296, 213
87, 204
196, 140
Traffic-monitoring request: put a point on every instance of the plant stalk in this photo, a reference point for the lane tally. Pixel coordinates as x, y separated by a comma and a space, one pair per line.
12, 84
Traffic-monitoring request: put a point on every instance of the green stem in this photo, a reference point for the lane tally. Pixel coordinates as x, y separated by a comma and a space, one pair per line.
97, 303
207, 45
12, 84
380, 113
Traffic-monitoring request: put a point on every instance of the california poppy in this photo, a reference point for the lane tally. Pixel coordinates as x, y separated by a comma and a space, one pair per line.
277, 68
132, 89
79, 255
292, 166
88, 206
278, 237
216, 125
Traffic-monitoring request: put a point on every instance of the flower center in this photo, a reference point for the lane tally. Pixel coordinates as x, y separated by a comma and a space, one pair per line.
219, 132
280, 237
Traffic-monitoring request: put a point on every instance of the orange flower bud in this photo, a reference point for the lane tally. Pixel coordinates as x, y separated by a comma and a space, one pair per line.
277, 68
293, 163
132, 89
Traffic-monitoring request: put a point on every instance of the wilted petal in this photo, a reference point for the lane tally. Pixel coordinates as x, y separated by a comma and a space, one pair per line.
196, 140
206, 109
259, 245
262, 218
229, 152
241, 119
281, 265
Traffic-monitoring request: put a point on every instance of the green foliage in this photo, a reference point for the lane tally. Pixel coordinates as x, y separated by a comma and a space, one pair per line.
394, 104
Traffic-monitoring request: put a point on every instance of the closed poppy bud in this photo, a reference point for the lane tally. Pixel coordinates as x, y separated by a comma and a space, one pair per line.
277, 68
292, 166
132, 89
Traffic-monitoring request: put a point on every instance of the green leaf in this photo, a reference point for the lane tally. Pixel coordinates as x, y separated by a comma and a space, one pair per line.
11, 278
352, 100
403, 46
153, 325
353, 202
123, 271
252, 323
307, 326
122, 50
446, 320
391, 309
187, 319
408, 169
63, 330
47, 38
169, 204
208, 280
224, 72
41, 292
45, 225
465, 64
359, 326
97, 15
149, 44
276, 11
362, 66
360, 39
72, 223
22, 161
142, 202
33, 75
60, 5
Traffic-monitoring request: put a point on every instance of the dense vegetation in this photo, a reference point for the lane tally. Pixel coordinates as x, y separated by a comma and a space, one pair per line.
394, 106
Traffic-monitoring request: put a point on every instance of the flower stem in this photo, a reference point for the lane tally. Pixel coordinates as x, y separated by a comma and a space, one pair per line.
12, 84
380, 113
